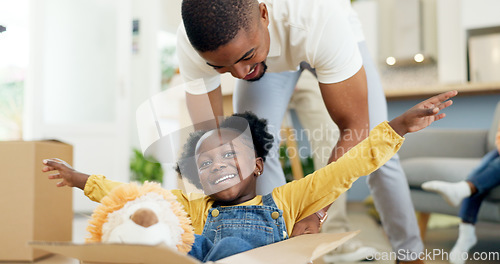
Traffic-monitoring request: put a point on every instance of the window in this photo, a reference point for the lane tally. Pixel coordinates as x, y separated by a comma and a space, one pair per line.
14, 50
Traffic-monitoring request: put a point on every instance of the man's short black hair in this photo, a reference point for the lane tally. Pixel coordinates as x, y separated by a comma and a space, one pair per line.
262, 143
210, 24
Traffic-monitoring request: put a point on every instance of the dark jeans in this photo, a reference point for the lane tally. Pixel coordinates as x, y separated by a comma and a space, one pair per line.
485, 177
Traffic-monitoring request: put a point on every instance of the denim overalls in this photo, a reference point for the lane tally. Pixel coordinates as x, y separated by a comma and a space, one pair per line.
234, 229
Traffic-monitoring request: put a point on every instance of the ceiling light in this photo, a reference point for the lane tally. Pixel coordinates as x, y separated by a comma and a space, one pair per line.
390, 60
419, 57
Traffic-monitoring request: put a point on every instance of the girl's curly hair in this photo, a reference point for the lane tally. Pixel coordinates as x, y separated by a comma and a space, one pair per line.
262, 143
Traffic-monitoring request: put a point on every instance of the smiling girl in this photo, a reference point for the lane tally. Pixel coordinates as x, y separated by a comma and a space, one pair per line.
226, 162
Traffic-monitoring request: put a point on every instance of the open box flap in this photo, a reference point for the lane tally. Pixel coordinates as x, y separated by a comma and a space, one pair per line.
299, 250
116, 253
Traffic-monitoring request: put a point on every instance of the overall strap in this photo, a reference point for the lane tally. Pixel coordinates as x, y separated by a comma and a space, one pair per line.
268, 200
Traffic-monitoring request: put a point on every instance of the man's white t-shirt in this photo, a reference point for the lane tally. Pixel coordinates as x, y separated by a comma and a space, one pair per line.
322, 33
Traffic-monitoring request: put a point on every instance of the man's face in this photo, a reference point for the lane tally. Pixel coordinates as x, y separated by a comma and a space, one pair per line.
244, 56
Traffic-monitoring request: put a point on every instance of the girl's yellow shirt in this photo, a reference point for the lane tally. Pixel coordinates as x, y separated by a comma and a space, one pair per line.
299, 198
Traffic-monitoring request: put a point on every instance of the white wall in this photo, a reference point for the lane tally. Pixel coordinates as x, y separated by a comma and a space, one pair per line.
76, 74
368, 15
451, 42
480, 13
454, 19
145, 64
170, 15
399, 23
85, 82
429, 22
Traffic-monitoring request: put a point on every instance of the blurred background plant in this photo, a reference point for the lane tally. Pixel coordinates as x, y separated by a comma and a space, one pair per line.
307, 163
168, 65
144, 170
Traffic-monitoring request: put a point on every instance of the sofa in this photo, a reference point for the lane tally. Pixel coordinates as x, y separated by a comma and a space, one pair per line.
447, 155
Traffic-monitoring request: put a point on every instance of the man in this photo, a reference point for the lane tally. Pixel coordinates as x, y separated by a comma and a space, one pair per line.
247, 38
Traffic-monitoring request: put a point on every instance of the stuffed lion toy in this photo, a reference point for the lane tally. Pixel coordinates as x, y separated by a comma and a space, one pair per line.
146, 214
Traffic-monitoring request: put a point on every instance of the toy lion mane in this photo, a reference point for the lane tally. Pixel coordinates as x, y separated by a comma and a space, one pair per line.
146, 214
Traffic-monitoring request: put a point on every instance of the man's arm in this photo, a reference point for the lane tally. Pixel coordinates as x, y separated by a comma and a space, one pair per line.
347, 104
205, 107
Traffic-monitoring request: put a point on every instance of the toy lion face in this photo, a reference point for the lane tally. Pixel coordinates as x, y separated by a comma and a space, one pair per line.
146, 214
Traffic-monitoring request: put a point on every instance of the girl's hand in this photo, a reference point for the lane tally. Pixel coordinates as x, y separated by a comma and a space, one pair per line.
423, 114
69, 176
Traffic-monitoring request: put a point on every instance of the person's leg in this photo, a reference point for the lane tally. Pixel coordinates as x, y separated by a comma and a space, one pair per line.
268, 98
452, 192
227, 247
488, 177
388, 185
485, 177
470, 208
466, 230
481, 180
485, 160
466, 240
322, 134
319, 128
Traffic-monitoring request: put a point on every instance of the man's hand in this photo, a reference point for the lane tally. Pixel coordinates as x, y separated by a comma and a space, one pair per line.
423, 114
69, 176
308, 225
311, 224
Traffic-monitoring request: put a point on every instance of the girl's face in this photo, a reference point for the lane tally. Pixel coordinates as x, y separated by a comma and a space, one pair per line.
227, 166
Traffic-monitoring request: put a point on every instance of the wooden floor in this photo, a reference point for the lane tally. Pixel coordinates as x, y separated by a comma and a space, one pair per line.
437, 240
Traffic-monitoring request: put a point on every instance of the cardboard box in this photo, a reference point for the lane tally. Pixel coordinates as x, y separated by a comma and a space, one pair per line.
299, 250
31, 206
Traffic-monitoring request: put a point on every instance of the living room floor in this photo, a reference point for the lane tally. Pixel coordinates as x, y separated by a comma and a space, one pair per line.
372, 234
